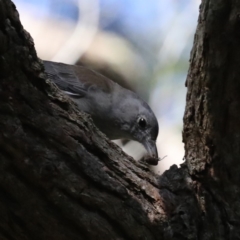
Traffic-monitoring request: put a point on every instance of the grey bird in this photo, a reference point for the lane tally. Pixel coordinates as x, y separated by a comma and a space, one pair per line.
116, 111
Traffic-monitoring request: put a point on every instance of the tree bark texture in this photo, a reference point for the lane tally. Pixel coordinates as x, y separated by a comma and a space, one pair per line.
60, 178
212, 119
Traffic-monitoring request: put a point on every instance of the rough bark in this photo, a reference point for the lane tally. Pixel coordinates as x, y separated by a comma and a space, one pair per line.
60, 178
211, 122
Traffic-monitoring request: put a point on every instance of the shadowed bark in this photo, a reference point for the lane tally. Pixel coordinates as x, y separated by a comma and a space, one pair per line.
211, 121
60, 178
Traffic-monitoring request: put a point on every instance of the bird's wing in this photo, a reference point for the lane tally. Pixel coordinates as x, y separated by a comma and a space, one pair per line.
77, 81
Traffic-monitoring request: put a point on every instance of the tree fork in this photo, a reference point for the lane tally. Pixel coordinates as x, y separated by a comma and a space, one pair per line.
60, 178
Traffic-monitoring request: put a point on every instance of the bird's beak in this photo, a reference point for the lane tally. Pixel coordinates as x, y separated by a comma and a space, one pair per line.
151, 147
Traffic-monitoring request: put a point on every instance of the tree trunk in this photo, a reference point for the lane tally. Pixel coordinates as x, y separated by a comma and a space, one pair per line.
212, 119
60, 178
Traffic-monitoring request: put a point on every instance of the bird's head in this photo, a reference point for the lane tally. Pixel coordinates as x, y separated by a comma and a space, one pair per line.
139, 122
145, 129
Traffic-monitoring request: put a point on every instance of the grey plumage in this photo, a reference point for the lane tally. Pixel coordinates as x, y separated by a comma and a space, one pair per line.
116, 111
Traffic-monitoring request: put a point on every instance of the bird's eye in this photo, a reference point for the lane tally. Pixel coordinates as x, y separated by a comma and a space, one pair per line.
142, 122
